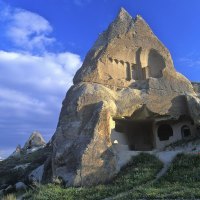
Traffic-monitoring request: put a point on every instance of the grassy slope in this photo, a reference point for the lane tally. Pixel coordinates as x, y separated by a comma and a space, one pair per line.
140, 170
182, 181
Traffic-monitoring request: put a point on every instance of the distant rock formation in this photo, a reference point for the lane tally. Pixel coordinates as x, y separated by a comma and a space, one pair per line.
17, 151
126, 96
35, 141
25, 166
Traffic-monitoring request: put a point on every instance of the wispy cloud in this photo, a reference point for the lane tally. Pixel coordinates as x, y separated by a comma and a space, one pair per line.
27, 30
33, 80
191, 60
49, 72
35, 84
4, 153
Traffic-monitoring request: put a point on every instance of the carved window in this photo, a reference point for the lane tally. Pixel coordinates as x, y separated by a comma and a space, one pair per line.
165, 131
185, 131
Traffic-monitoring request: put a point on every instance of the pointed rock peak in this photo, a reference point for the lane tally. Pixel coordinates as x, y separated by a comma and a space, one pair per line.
35, 140
142, 24
123, 14
139, 18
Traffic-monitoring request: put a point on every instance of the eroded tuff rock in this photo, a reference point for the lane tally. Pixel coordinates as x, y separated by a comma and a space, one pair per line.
126, 96
35, 141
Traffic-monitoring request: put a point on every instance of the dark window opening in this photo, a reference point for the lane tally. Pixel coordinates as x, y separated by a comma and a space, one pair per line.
165, 131
138, 134
119, 127
185, 131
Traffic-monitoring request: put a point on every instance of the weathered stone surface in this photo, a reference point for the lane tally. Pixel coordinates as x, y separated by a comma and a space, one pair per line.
19, 186
126, 43
128, 73
3, 186
36, 174
1, 192
194, 108
196, 87
17, 152
9, 189
35, 140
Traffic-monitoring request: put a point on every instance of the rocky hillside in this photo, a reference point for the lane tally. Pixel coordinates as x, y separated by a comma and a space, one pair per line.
169, 174
25, 166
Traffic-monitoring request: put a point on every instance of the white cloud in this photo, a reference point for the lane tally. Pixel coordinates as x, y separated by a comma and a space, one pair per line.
26, 29
191, 60
47, 76
33, 81
31, 92
18, 101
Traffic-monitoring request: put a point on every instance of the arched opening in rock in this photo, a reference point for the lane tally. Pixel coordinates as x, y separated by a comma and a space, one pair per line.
185, 131
156, 64
165, 131
136, 134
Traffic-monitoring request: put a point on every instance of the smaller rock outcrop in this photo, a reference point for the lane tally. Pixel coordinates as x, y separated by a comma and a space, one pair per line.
36, 175
23, 163
35, 141
17, 151
20, 186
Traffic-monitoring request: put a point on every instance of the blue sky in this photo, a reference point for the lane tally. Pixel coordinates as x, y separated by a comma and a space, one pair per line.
44, 42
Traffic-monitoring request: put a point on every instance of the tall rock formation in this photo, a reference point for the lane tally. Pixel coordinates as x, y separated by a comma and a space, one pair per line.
125, 90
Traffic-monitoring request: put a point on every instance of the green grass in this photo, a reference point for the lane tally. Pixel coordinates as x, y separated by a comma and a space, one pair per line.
140, 170
182, 181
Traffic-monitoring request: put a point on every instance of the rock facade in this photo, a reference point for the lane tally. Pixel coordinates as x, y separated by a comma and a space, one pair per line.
128, 75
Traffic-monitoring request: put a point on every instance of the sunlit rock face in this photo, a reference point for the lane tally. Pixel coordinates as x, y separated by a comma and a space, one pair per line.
124, 95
